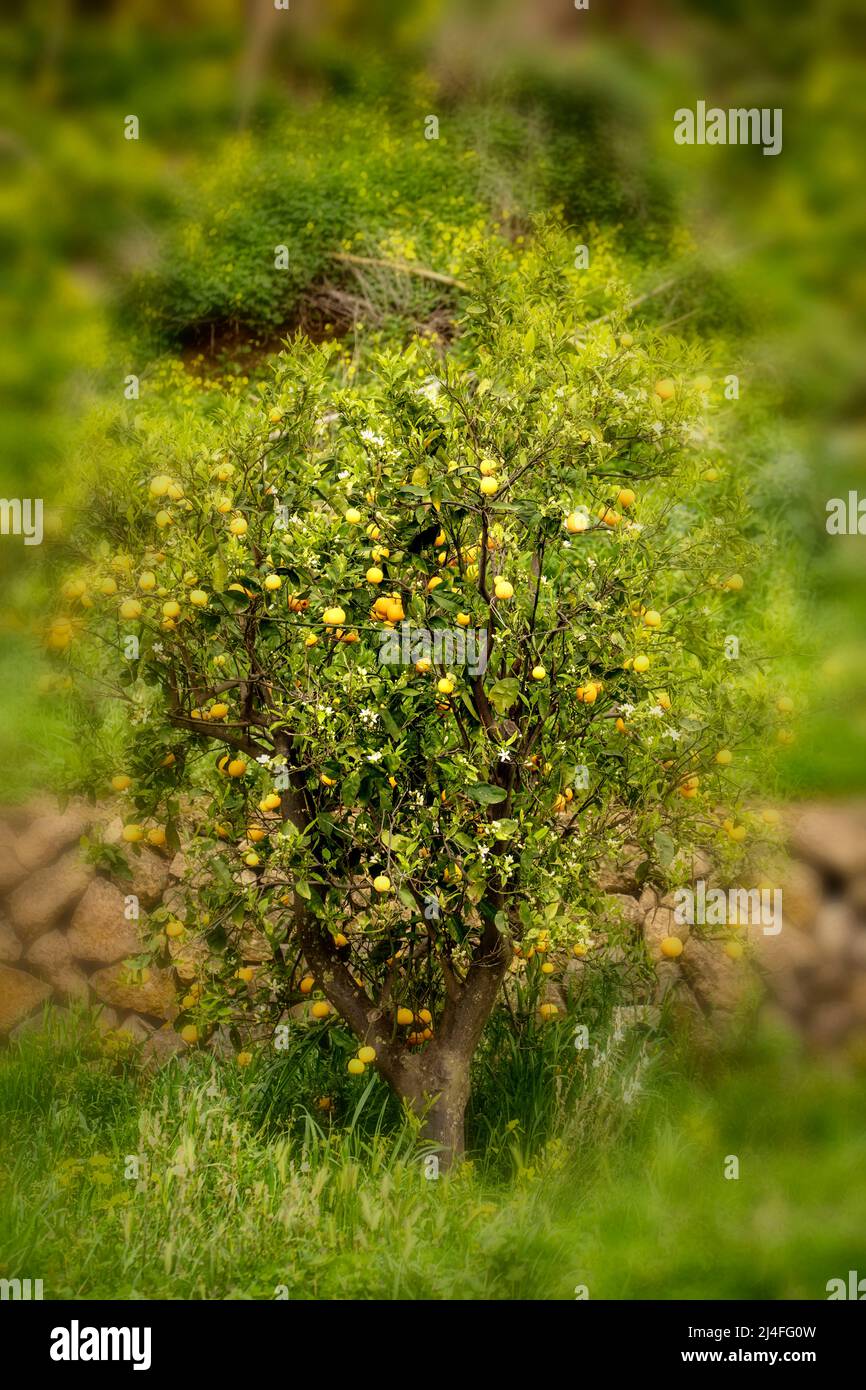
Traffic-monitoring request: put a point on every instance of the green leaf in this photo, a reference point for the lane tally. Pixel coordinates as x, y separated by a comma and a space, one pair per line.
302, 888
485, 795
665, 848
502, 694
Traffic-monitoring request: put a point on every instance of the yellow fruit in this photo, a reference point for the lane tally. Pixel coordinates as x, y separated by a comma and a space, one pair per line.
625, 497
547, 968
320, 1009
120, 782
463, 619
734, 582
374, 575
252, 860
353, 516
578, 949
405, 1017
621, 726
538, 673
733, 950
445, 686
626, 340
503, 589
156, 836
306, 984
785, 737
433, 583
147, 581
273, 582
236, 768
576, 522
108, 587
690, 786
608, 516
785, 705
198, 598
160, 485
425, 1015
218, 711
132, 834
271, 802
487, 468
651, 618
163, 519
223, 831
171, 609
382, 883
423, 665
238, 526
770, 816
724, 757
488, 487
255, 834
189, 1033
671, 947
548, 1011
174, 929
244, 1059
366, 1054
711, 475
130, 608
665, 388
333, 617
327, 781
641, 663
663, 699
310, 640
395, 610
275, 415
356, 1067
245, 973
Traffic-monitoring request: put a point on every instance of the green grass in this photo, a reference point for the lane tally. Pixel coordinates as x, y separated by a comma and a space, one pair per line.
629, 1199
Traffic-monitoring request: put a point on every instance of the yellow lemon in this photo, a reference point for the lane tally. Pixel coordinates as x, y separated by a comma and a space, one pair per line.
641, 663
671, 947
405, 1017
382, 883
366, 1054
503, 589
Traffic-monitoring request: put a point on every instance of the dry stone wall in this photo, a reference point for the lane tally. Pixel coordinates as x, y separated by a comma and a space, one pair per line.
65, 933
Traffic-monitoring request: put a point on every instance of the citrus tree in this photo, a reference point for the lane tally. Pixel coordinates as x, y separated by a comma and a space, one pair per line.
454, 633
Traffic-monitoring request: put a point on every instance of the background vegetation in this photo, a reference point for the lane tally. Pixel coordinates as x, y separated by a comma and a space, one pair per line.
144, 257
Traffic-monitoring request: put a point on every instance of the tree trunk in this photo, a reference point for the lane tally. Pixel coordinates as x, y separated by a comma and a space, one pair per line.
445, 1119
